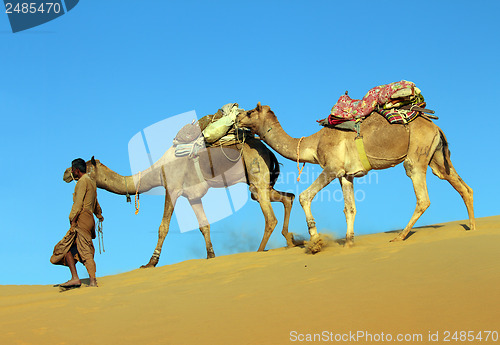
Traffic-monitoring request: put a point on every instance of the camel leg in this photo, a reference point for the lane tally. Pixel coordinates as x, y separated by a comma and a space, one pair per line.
306, 198
349, 208
204, 225
420, 187
438, 167
262, 196
287, 200
163, 230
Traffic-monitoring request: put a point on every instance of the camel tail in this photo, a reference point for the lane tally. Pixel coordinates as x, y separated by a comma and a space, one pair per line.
274, 169
446, 151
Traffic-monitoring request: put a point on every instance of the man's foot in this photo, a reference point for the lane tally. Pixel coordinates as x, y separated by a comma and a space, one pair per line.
93, 283
71, 283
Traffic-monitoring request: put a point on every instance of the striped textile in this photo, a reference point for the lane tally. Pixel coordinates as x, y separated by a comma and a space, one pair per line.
396, 115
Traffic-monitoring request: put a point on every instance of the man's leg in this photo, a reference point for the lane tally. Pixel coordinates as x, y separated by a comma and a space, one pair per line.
70, 261
90, 266
85, 249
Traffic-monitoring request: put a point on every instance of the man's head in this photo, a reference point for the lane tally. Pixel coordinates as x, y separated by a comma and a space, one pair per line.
78, 168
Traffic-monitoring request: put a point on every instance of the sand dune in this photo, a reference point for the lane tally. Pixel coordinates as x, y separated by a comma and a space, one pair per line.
441, 279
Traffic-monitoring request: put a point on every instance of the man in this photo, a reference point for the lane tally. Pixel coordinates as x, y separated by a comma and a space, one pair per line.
77, 244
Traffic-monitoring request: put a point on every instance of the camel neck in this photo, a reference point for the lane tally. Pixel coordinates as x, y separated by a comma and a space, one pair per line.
275, 136
115, 183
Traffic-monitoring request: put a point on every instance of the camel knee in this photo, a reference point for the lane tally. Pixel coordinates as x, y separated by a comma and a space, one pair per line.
271, 223
423, 205
304, 199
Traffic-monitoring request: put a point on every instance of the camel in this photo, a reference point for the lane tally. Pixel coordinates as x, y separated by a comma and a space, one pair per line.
418, 144
219, 168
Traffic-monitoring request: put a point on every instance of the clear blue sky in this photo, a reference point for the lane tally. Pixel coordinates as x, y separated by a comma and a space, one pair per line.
86, 83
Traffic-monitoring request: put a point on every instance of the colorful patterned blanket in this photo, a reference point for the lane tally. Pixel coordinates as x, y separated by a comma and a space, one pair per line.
404, 114
387, 99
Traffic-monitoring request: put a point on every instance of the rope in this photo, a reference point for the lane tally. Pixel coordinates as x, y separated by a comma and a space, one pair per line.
164, 178
298, 163
100, 236
137, 204
126, 189
242, 142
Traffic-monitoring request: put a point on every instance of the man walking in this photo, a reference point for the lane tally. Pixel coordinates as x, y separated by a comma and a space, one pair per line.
77, 244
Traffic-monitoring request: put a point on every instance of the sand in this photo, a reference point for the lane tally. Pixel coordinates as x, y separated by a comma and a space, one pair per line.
442, 279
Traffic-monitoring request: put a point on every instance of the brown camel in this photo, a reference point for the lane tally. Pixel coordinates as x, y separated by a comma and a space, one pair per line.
258, 167
418, 144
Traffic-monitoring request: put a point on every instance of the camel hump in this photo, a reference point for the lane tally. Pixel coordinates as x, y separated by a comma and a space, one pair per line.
384, 140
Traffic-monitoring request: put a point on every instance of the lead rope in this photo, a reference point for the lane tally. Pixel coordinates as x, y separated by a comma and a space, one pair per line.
126, 190
298, 163
137, 204
100, 237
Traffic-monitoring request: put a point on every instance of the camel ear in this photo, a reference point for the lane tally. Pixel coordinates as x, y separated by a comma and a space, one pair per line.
92, 160
258, 107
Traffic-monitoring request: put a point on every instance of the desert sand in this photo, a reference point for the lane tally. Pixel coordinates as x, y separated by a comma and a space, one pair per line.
441, 279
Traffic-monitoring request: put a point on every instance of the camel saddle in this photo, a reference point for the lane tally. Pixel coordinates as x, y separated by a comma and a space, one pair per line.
194, 130
399, 102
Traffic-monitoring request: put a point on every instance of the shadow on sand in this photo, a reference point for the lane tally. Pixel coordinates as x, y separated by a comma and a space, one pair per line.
413, 232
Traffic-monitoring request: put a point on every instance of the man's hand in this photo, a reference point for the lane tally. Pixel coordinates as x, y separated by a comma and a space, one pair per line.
100, 217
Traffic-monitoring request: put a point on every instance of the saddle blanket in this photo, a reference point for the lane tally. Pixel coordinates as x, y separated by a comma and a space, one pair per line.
387, 96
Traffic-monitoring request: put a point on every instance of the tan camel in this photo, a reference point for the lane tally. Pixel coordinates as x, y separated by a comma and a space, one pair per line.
219, 167
418, 144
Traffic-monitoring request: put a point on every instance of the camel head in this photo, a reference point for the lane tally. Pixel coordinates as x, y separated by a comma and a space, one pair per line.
92, 165
256, 119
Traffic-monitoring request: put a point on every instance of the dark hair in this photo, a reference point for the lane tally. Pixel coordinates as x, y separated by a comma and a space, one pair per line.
79, 164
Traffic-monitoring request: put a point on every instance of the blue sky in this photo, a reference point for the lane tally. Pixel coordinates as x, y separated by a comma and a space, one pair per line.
85, 83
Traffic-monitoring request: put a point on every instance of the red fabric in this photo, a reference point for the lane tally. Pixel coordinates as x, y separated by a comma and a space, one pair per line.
347, 108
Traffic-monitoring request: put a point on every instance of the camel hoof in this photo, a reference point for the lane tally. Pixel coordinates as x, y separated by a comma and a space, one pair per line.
349, 243
315, 245
397, 239
210, 256
150, 264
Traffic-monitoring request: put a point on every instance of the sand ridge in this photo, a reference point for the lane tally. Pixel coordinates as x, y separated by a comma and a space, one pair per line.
443, 278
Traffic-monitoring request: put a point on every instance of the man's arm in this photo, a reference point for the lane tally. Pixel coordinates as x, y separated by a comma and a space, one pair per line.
98, 210
80, 190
